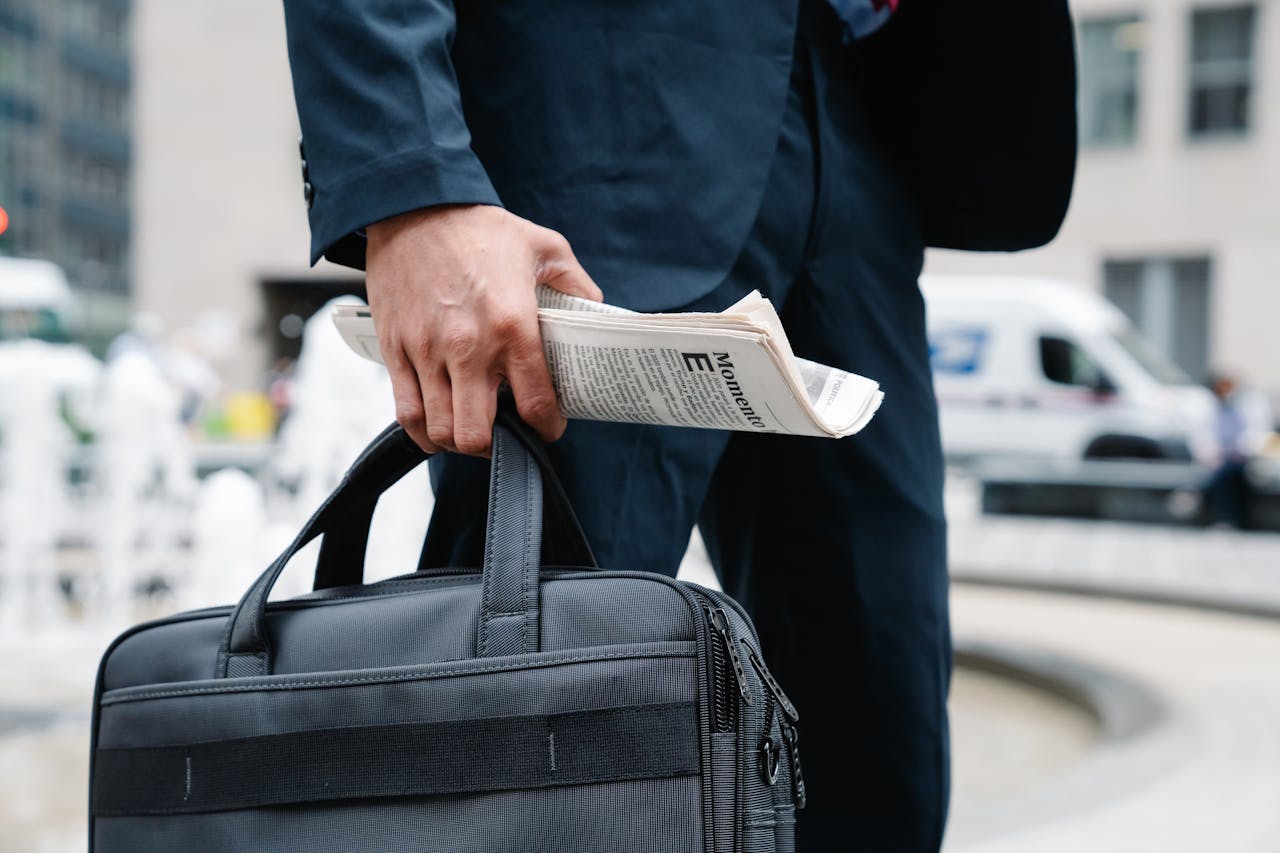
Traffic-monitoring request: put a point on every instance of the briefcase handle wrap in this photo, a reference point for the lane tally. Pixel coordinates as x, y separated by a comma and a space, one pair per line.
520, 477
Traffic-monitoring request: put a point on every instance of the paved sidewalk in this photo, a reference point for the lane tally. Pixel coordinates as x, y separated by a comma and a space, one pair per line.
1226, 568
44, 739
1030, 774
1027, 779
1206, 778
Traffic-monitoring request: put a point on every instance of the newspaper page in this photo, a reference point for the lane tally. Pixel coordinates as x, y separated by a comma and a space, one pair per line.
730, 370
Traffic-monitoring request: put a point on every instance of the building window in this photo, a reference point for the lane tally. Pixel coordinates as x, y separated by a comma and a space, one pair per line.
1110, 49
19, 65
105, 25
95, 100
93, 179
1221, 84
1167, 299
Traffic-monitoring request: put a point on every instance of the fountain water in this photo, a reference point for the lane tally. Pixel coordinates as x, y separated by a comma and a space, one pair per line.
228, 540
143, 515
37, 382
145, 472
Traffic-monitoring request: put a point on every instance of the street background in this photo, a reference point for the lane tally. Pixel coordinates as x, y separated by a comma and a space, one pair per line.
174, 401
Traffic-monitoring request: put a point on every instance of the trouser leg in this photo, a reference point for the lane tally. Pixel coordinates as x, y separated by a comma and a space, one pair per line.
838, 547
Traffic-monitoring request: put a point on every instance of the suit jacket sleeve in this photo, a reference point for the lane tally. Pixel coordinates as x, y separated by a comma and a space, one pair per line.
382, 124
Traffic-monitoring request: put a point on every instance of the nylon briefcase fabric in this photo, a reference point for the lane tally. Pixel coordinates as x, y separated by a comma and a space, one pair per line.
536, 703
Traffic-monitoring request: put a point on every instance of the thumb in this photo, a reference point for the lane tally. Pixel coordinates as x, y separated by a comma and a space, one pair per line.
558, 268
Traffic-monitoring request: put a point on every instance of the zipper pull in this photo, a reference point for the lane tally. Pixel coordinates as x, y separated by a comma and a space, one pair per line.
770, 756
792, 738
774, 687
720, 624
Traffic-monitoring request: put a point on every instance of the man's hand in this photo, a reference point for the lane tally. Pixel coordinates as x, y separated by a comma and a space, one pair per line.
451, 289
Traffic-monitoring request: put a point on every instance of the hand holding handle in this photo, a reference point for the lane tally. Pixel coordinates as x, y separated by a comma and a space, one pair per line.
513, 541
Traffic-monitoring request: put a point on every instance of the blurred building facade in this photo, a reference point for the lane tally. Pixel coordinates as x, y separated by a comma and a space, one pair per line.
66, 149
220, 217
1176, 212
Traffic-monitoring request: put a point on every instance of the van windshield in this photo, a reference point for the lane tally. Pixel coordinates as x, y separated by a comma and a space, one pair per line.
1155, 363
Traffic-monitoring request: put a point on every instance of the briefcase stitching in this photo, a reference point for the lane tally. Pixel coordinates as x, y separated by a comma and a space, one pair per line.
539, 660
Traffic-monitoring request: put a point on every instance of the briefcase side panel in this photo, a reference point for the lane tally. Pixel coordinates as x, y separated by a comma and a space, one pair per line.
769, 785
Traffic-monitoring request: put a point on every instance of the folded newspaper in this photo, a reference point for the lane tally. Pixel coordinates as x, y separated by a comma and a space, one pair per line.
732, 370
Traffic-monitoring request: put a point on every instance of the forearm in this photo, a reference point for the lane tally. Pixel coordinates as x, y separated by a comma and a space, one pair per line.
381, 117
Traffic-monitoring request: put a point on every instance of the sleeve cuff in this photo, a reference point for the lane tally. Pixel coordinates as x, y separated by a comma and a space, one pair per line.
393, 185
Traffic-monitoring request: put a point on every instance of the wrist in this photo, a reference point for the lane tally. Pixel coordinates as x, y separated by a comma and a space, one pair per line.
386, 228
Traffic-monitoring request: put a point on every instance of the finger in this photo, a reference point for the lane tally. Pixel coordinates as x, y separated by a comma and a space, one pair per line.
438, 399
410, 411
475, 402
559, 268
526, 372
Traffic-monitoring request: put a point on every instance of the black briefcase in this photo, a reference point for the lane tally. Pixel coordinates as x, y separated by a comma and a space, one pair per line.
537, 703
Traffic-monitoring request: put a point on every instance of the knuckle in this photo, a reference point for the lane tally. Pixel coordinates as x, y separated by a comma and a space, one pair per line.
461, 343
525, 348
409, 414
422, 350
471, 440
439, 431
550, 242
392, 354
558, 242
536, 407
509, 326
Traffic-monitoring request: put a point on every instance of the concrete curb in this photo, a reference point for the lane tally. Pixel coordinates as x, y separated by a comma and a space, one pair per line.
1143, 735
1125, 708
1141, 738
1139, 594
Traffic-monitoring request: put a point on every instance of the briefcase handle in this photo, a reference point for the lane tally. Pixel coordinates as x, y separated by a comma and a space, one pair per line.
392, 455
520, 475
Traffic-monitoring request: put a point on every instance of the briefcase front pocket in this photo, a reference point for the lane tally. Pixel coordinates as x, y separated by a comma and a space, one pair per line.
534, 749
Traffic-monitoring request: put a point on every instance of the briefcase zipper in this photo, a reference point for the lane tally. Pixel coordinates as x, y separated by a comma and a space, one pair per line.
791, 737
729, 679
790, 734
770, 749
771, 683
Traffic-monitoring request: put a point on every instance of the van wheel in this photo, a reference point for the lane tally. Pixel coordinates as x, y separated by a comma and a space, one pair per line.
1134, 447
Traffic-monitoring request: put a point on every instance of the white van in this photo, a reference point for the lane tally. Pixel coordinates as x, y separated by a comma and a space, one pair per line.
1048, 371
35, 301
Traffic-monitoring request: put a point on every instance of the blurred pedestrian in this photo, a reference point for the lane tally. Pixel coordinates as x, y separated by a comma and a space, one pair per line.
1226, 491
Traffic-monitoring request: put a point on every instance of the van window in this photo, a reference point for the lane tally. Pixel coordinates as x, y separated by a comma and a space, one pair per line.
1067, 364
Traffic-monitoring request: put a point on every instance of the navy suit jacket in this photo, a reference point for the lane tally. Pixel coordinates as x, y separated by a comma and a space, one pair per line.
644, 130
